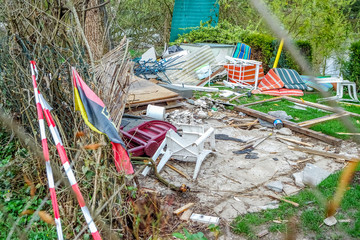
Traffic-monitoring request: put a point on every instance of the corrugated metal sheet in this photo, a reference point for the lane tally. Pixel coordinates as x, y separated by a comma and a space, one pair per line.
189, 13
194, 60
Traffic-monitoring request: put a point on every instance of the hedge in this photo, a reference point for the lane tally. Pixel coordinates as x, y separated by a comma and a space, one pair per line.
264, 46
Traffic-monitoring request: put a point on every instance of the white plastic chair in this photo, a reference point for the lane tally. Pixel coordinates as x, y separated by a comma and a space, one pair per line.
340, 84
189, 147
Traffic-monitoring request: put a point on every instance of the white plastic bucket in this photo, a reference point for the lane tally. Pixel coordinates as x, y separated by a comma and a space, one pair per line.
155, 112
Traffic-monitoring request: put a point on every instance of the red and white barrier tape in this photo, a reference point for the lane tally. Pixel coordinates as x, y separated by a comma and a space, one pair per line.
64, 160
44, 143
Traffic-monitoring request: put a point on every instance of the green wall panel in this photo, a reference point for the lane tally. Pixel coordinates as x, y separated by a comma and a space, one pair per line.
189, 13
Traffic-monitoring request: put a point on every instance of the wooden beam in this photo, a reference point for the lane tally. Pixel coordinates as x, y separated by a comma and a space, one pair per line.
320, 153
317, 105
262, 101
291, 125
312, 122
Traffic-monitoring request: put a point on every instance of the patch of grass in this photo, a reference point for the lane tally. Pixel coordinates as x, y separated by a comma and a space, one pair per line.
287, 106
333, 126
310, 213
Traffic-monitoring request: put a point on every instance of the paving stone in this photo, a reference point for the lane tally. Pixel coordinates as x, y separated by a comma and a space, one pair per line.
313, 175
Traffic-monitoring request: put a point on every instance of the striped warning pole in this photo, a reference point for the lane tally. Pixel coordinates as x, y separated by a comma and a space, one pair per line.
69, 173
44, 143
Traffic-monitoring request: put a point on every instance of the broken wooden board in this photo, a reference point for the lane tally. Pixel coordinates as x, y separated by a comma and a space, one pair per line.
183, 208
320, 153
284, 200
142, 91
293, 126
294, 141
320, 106
312, 122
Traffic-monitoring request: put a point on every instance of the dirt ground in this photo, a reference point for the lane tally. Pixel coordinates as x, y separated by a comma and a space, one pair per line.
228, 184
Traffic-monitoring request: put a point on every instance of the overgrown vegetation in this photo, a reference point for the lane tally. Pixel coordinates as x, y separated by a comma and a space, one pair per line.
15, 193
351, 69
308, 217
264, 46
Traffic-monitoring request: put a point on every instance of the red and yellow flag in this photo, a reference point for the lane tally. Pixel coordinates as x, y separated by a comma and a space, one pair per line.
96, 116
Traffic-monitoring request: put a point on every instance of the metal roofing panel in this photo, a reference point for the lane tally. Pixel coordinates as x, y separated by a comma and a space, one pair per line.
192, 61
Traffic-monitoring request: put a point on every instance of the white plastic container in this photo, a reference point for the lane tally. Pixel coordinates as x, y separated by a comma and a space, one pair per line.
155, 112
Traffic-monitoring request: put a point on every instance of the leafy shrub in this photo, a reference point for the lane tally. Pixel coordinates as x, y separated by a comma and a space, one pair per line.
286, 61
351, 69
264, 46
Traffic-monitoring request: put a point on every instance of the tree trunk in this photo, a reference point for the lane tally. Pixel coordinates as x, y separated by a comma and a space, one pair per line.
95, 28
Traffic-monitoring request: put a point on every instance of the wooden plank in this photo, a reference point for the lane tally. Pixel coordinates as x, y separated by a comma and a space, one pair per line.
351, 134
178, 171
294, 141
317, 105
153, 102
143, 91
186, 215
312, 122
320, 153
285, 200
183, 208
262, 101
293, 126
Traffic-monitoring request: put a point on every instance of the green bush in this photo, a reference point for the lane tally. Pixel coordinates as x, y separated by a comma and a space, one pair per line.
351, 69
264, 46
286, 61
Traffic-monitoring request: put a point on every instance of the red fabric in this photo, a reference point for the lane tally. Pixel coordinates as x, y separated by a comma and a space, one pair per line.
243, 74
122, 159
280, 92
270, 81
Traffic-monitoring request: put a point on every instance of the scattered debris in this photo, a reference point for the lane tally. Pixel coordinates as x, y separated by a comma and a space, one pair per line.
276, 186
330, 221
247, 150
252, 156
314, 175
178, 171
226, 137
285, 131
294, 141
285, 200
321, 153
205, 219
344, 220
151, 68
186, 215
262, 233
183, 208
155, 112
280, 114
298, 179
146, 138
